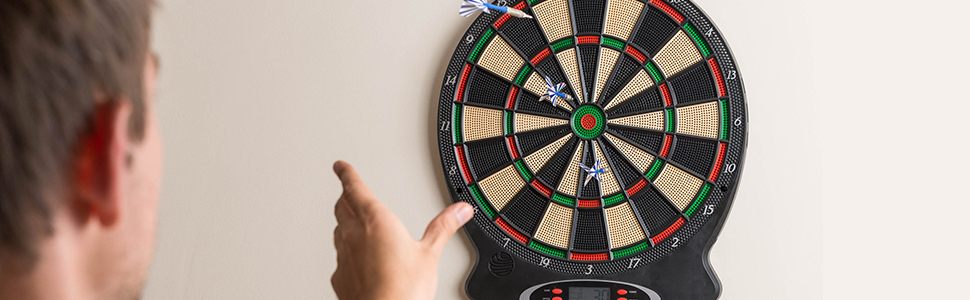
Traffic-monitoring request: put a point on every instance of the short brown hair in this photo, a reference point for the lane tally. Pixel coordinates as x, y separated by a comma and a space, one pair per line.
55, 57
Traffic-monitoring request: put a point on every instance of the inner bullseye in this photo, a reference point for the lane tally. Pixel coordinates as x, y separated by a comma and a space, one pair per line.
588, 122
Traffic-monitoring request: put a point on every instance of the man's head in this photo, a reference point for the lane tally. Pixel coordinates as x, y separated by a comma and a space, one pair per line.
80, 156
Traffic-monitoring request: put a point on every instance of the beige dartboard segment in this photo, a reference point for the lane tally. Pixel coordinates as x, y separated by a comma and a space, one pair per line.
500, 187
501, 59
677, 55
608, 59
527, 122
481, 123
621, 16
554, 18
641, 159
639, 83
608, 184
700, 120
570, 64
679, 186
623, 225
537, 85
569, 183
556, 226
538, 159
650, 120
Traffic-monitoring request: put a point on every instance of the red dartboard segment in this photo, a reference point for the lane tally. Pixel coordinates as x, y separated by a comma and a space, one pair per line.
670, 230
542, 188
460, 92
511, 100
668, 100
717, 163
721, 88
589, 257
510, 141
667, 9
588, 39
542, 55
636, 54
589, 203
636, 188
464, 164
511, 231
666, 149
501, 21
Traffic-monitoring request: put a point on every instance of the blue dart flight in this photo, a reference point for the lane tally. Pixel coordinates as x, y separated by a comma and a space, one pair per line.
554, 92
592, 172
468, 7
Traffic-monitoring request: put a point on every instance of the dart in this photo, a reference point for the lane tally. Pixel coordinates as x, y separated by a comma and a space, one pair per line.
592, 172
468, 7
554, 92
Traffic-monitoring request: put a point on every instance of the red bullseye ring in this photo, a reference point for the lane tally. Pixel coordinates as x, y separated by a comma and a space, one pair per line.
588, 122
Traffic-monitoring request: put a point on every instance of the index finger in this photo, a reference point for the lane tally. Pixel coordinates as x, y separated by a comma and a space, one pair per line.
347, 174
356, 192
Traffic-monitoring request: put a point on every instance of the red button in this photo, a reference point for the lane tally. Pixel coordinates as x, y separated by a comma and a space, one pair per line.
621, 298
621, 292
560, 298
556, 291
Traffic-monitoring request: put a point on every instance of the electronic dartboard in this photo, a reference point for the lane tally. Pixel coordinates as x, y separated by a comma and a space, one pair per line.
601, 143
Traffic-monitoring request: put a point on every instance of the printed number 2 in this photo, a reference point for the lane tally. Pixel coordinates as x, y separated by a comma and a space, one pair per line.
676, 242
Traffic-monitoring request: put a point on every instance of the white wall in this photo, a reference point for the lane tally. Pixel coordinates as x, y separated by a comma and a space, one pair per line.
853, 159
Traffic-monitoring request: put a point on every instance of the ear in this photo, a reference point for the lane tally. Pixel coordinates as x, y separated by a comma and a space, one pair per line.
100, 164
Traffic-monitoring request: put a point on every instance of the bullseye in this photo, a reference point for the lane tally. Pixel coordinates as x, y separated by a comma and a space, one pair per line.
588, 122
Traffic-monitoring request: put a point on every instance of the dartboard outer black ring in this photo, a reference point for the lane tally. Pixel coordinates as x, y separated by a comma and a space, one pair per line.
719, 198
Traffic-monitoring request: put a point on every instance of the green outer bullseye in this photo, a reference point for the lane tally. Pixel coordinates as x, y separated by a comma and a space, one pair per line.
594, 111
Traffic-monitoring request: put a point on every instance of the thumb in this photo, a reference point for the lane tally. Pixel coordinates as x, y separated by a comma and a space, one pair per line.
445, 224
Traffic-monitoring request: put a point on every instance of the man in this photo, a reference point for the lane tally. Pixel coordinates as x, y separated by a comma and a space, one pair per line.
81, 161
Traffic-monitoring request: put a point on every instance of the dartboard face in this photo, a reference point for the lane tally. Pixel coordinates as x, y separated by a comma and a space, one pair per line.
595, 138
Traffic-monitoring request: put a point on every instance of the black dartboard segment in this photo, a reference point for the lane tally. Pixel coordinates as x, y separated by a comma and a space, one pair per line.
657, 114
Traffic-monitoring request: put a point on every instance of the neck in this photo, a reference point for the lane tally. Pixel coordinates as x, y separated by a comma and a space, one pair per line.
54, 275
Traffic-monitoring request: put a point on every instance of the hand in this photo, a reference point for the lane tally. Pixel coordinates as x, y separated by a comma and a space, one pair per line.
376, 257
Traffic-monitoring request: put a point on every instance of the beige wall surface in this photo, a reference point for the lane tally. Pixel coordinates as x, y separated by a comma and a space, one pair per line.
258, 98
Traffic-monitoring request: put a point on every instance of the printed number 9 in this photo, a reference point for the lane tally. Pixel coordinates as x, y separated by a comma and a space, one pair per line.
469, 39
